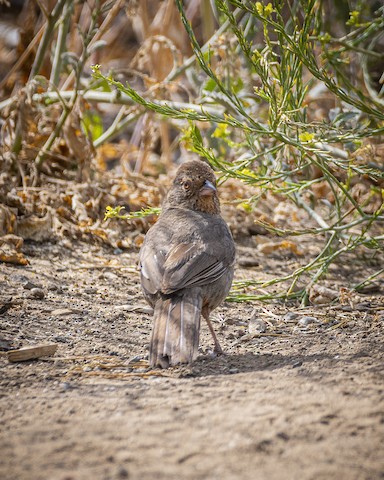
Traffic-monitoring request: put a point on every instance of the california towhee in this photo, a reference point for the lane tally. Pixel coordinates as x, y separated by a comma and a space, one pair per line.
186, 264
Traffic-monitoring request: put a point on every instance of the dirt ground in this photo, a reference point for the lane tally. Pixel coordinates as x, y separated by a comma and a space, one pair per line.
293, 397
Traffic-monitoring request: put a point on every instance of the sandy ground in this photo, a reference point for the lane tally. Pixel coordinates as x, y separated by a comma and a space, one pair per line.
291, 398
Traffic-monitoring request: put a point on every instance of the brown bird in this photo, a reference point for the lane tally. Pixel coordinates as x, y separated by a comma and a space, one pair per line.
186, 265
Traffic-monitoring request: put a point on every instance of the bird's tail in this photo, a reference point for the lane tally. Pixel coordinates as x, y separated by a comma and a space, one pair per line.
176, 329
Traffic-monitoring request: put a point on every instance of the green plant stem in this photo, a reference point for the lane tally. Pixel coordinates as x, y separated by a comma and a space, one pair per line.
47, 37
176, 72
114, 11
121, 98
61, 42
117, 126
368, 280
52, 137
311, 212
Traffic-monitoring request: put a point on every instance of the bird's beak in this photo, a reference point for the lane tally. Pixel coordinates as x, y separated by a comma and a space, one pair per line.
208, 189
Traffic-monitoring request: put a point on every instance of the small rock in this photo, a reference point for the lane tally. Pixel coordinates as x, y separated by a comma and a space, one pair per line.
246, 338
346, 308
284, 436
28, 285
61, 339
110, 276
6, 345
290, 316
297, 364
141, 370
65, 386
90, 290
37, 293
60, 312
123, 472
17, 278
135, 359
135, 308
305, 321
240, 333
247, 262
256, 325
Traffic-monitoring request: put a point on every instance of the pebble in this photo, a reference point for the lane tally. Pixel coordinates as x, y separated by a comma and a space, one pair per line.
290, 316
245, 338
123, 472
141, 370
37, 293
112, 277
135, 308
6, 345
135, 359
248, 262
61, 339
61, 312
305, 321
17, 278
90, 290
257, 325
30, 285
297, 364
65, 386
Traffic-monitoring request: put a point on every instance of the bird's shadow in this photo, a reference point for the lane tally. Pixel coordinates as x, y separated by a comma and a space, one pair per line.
229, 364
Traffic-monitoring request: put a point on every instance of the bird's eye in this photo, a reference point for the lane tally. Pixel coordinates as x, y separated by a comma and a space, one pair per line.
186, 184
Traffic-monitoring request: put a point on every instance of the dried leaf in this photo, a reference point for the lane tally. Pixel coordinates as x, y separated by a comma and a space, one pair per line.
10, 246
271, 247
16, 258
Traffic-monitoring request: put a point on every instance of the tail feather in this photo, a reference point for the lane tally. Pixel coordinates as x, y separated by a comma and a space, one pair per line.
176, 330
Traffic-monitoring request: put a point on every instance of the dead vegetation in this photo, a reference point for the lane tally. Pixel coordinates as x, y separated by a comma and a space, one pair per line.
295, 155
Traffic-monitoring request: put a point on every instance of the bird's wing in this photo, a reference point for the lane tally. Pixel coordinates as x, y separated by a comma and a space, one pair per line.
190, 265
151, 269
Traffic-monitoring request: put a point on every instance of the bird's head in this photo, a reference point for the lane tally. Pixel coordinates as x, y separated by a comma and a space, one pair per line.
194, 187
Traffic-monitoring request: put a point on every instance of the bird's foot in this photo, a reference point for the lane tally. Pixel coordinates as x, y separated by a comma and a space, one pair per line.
217, 351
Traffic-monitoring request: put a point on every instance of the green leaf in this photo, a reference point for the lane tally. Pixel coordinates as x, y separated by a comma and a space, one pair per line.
114, 212
210, 85
92, 124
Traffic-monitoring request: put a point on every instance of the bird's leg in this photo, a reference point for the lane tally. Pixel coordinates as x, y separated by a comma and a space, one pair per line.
218, 350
